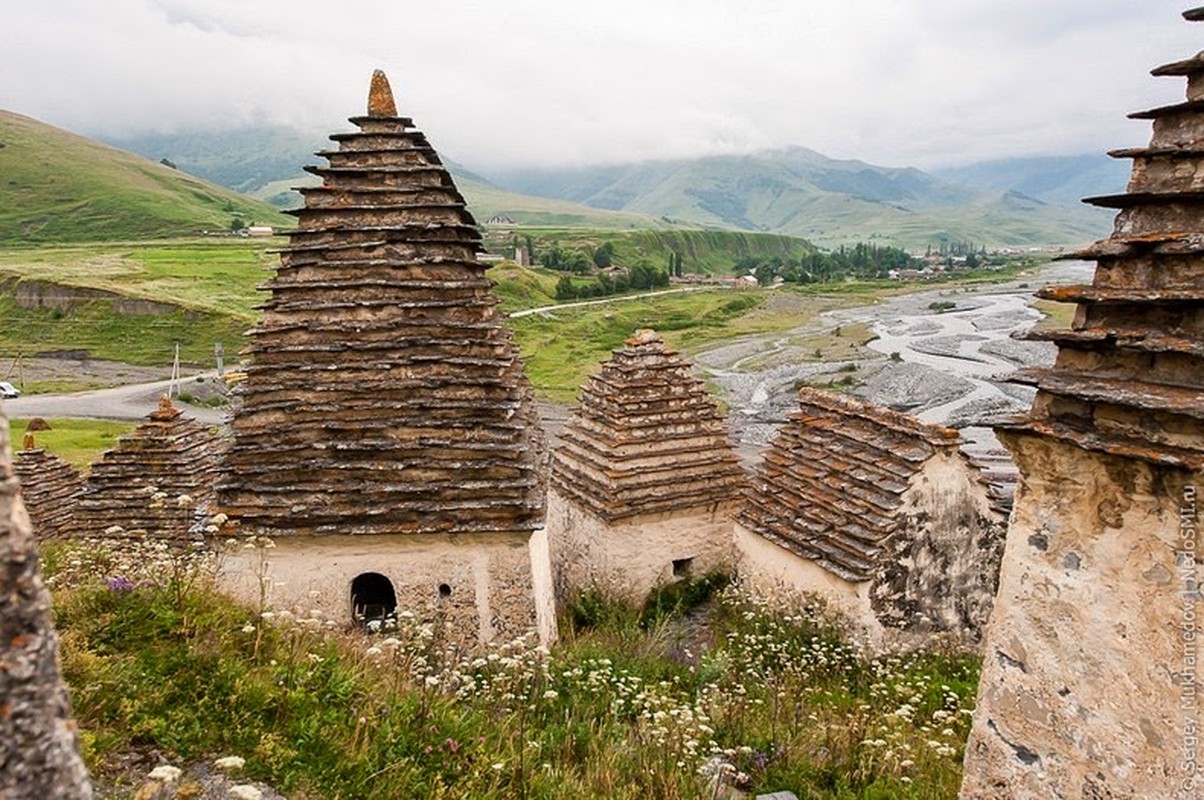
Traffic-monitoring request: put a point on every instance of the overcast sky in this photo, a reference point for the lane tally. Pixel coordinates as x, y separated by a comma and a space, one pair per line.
552, 82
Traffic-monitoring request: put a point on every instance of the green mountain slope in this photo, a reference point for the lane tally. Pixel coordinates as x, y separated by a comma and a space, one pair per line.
57, 186
828, 201
266, 162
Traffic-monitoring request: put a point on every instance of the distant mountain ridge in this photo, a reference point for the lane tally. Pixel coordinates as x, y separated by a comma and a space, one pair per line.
1053, 179
794, 191
266, 164
800, 192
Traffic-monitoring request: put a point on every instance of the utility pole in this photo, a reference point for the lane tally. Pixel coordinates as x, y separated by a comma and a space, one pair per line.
174, 387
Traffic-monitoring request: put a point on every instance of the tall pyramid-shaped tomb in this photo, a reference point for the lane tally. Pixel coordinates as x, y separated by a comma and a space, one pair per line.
387, 439
645, 481
1091, 684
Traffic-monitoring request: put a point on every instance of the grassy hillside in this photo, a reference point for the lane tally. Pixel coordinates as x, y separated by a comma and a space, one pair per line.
60, 187
198, 292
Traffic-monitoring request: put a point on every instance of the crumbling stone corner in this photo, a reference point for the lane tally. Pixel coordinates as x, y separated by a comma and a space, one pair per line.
39, 749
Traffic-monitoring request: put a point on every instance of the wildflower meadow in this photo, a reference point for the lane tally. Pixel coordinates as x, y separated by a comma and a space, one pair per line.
706, 693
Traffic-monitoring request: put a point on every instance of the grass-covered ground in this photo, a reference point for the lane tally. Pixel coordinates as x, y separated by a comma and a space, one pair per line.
627, 705
80, 441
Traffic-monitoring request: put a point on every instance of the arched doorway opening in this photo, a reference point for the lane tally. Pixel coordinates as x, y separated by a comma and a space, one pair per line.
372, 597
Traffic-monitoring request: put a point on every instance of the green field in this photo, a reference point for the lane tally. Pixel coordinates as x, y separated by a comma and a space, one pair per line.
80, 441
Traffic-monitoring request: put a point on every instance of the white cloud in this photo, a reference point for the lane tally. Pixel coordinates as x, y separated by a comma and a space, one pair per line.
548, 82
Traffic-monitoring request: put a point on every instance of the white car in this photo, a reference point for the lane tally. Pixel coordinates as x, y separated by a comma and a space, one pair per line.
8, 391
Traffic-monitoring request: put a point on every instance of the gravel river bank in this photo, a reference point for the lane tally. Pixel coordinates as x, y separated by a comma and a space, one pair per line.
942, 355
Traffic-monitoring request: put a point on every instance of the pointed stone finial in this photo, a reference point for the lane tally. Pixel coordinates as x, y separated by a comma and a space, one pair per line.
27, 443
644, 336
165, 411
380, 97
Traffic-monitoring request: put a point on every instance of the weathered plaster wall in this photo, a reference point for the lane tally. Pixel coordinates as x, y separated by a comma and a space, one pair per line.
772, 571
629, 558
496, 592
543, 586
1089, 686
940, 570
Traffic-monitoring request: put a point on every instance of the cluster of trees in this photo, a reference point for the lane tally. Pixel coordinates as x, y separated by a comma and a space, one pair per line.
956, 249
577, 261
865, 261
640, 276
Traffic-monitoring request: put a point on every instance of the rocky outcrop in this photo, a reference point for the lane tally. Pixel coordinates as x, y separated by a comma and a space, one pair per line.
1090, 683
385, 394
155, 482
879, 511
39, 748
644, 481
50, 487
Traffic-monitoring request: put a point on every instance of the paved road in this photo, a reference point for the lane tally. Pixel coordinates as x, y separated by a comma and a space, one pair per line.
132, 402
526, 312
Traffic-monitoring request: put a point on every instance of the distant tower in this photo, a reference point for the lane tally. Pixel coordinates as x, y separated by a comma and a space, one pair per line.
878, 512
645, 481
387, 439
1091, 684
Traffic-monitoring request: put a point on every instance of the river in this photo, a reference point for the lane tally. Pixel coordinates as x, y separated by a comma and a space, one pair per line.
941, 355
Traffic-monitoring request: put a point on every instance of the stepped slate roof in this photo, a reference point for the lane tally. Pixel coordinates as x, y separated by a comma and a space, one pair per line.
834, 476
385, 394
50, 487
645, 438
157, 478
1129, 376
